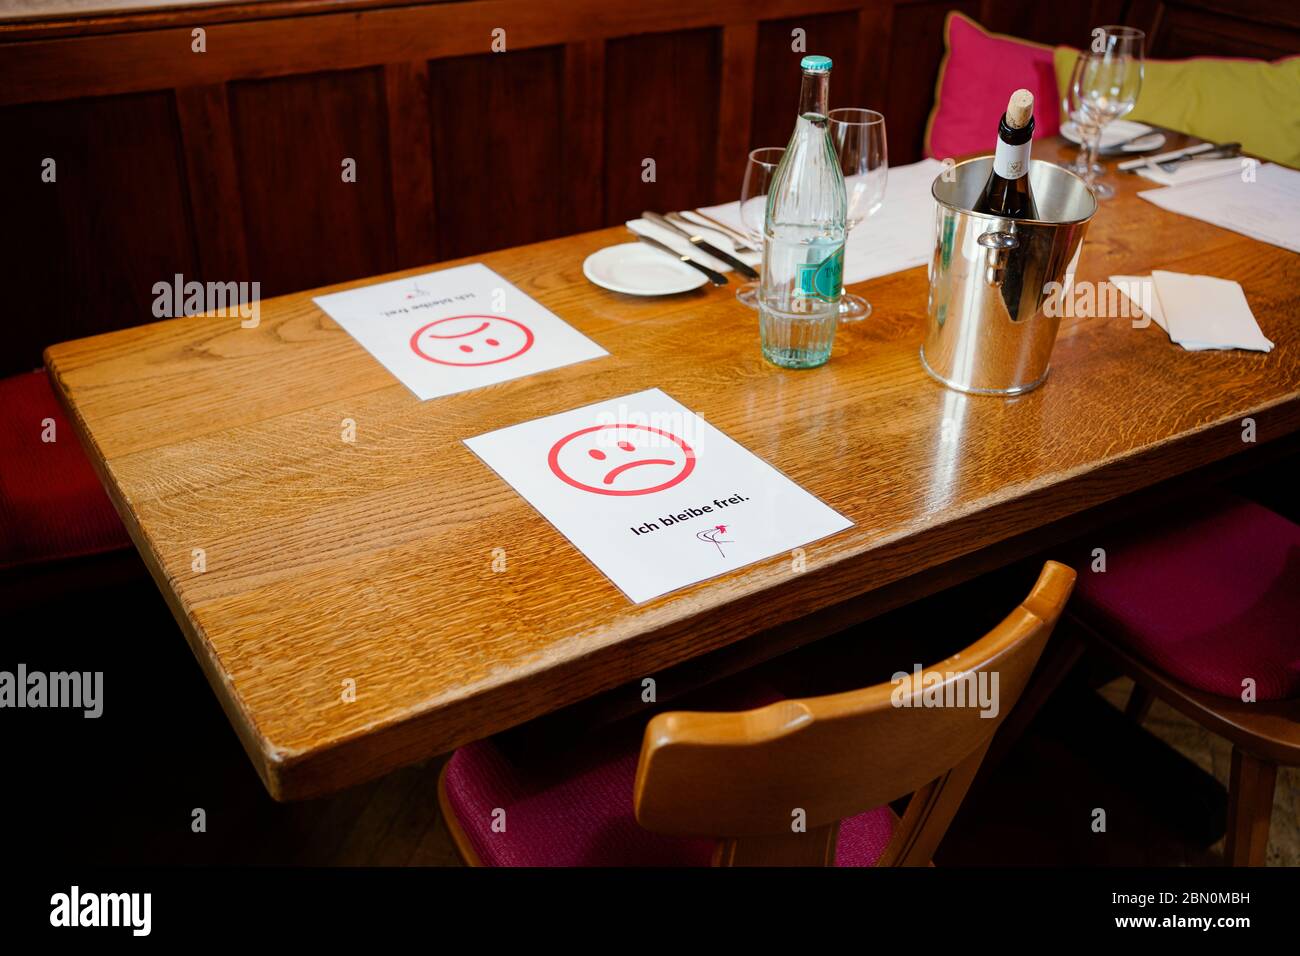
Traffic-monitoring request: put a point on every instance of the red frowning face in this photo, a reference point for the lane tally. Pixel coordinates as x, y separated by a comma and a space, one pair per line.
621, 459
472, 340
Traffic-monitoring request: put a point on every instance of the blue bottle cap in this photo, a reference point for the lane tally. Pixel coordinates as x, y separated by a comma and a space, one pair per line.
816, 64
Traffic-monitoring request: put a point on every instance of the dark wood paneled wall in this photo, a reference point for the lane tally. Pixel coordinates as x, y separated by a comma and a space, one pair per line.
227, 164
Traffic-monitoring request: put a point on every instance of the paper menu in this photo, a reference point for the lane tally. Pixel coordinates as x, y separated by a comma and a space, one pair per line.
655, 497
1263, 205
456, 329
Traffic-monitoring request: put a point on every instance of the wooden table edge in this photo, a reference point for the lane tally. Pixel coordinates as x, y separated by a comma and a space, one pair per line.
260, 751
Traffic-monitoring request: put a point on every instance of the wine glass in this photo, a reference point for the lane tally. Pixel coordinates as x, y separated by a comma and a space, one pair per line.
1103, 87
1070, 112
759, 169
859, 139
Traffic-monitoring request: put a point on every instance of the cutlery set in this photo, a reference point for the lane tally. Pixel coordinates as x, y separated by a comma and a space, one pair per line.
1170, 162
679, 224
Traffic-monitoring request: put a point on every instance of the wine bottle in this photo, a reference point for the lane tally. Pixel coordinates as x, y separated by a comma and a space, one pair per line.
1007, 191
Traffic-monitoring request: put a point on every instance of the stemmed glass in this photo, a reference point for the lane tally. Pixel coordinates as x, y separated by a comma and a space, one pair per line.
759, 169
1103, 87
1070, 111
860, 143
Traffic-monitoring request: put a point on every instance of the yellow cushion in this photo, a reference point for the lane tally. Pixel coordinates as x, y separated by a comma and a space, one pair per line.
1252, 102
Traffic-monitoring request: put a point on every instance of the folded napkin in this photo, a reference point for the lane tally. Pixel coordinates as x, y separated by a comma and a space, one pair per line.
714, 237
1198, 312
1192, 171
1141, 291
900, 236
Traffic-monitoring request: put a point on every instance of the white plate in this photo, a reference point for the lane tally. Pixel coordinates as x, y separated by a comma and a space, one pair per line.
1117, 132
634, 268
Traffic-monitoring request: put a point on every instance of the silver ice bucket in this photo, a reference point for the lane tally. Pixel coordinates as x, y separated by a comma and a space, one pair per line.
997, 285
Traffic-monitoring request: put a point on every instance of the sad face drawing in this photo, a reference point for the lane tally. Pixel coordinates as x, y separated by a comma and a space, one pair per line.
471, 340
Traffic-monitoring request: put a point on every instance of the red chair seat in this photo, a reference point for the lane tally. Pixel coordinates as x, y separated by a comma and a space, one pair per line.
1209, 593
51, 503
575, 808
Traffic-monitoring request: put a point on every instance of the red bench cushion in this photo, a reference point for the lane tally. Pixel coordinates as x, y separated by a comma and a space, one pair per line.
51, 503
574, 808
1208, 592
979, 72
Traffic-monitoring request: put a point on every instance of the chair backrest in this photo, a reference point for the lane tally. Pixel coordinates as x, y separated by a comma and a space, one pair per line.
744, 777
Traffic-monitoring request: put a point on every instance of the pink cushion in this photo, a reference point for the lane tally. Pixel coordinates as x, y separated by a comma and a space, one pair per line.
574, 808
51, 503
980, 71
1208, 592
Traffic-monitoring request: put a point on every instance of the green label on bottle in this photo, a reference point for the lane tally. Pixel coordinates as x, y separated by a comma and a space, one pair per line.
822, 280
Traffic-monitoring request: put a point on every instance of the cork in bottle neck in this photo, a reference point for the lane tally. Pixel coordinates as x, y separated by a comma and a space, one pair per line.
1020, 109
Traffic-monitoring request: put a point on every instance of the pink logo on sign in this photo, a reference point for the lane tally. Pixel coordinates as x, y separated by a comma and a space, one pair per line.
714, 536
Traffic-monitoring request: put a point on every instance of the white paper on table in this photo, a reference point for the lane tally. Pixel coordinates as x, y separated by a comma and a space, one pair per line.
684, 246
1192, 171
1141, 291
1267, 209
900, 236
1204, 312
654, 496
457, 329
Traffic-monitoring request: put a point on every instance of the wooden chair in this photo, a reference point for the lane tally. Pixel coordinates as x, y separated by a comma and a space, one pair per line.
731, 788
1195, 604
1263, 735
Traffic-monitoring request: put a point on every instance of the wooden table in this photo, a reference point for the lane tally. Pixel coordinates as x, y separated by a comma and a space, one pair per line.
371, 562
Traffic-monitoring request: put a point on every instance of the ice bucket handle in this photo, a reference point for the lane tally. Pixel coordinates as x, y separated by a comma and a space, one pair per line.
997, 247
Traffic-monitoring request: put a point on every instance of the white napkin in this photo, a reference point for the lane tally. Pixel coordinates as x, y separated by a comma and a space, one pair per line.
1192, 171
739, 236
1141, 291
684, 246
1202, 312
900, 236
1198, 312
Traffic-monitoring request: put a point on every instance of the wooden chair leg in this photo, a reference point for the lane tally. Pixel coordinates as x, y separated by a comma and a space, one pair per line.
1139, 704
1250, 808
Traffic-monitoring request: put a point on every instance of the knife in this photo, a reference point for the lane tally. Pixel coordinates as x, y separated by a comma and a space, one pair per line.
1133, 165
1226, 151
696, 219
717, 278
699, 243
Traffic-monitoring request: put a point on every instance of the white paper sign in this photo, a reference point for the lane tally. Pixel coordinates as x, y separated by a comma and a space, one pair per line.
462, 328
652, 494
